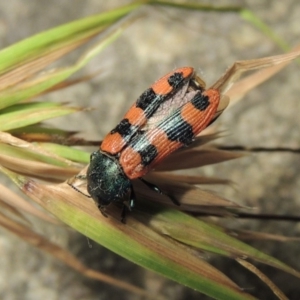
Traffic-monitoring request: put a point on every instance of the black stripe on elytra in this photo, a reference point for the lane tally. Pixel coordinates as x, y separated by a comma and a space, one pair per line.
200, 101
149, 101
125, 129
177, 129
147, 151
176, 80
148, 154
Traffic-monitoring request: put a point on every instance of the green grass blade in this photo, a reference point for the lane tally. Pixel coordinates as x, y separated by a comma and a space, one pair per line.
28, 155
202, 235
41, 129
27, 114
31, 89
67, 152
53, 39
135, 240
198, 6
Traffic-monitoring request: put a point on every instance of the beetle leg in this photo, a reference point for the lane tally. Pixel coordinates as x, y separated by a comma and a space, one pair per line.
132, 199
123, 213
102, 210
128, 206
157, 190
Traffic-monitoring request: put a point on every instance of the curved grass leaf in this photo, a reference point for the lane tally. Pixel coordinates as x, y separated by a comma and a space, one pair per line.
136, 241
67, 152
47, 42
23, 115
202, 235
41, 50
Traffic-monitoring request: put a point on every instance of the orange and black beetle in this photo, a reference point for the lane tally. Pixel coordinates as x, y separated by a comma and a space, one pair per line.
164, 118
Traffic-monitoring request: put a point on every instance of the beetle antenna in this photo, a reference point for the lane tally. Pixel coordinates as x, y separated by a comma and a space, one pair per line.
78, 190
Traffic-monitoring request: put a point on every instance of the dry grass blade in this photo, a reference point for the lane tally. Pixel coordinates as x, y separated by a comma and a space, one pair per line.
188, 178
71, 82
37, 169
12, 212
40, 132
224, 102
238, 68
263, 278
25, 71
193, 158
65, 256
137, 241
254, 235
207, 135
242, 87
20, 204
190, 197
9, 139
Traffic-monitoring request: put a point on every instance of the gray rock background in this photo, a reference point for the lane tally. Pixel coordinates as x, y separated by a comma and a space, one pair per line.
163, 40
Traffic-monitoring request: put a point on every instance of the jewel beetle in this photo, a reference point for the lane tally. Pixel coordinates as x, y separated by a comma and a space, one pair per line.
166, 117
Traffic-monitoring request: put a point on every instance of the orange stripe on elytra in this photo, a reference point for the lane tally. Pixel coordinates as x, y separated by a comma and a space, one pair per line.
131, 163
135, 116
162, 86
158, 138
131, 160
199, 119
113, 143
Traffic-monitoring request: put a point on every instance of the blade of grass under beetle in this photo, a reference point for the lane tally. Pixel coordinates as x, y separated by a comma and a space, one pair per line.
136, 241
196, 158
190, 197
190, 179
